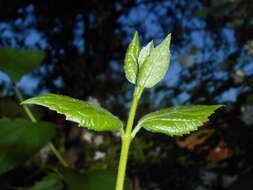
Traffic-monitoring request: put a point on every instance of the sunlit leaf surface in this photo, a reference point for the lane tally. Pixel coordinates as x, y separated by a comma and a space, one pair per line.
84, 113
131, 63
178, 120
156, 65
144, 54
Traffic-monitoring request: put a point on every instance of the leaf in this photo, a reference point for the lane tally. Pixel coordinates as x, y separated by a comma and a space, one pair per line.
20, 139
11, 109
144, 54
156, 65
84, 113
50, 182
16, 63
94, 180
178, 120
131, 65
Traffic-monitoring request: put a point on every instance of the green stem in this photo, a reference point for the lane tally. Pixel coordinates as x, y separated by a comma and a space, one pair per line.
31, 116
58, 155
136, 130
126, 140
21, 99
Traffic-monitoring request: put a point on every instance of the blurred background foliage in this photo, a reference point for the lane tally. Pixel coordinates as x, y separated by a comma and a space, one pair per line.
85, 43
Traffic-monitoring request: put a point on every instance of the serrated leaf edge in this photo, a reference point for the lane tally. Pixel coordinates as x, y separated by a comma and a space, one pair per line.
168, 38
70, 117
194, 128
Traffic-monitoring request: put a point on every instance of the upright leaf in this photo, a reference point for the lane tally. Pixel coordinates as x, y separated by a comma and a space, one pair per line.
177, 120
156, 65
16, 63
20, 139
144, 54
84, 113
131, 58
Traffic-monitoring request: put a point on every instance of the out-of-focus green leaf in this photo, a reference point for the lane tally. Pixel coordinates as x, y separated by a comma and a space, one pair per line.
50, 182
11, 109
95, 180
131, 59
20, 139
16, 63
178, 120
85, 114
156, 65
249, 99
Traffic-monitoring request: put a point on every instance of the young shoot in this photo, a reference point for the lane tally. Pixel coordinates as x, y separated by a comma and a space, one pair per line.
144, 68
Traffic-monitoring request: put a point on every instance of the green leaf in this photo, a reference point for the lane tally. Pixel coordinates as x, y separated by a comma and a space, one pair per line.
20, 139
131, 64
84, 113
11, 109
50, 182
16, 63
156, 65
94, 180
177, 120
144, 54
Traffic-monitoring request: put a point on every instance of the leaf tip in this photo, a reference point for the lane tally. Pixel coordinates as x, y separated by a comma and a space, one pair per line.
29, 101
151, 43
218, 106
136, 34
168, 39
136, 39
25, 102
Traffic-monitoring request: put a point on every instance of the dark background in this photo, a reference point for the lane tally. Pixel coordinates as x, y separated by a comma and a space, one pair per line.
85, 43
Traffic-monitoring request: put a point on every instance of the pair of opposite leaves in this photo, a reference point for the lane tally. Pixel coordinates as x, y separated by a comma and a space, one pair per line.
143, 67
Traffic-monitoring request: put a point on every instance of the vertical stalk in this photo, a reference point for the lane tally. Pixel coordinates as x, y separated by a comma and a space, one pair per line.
31, 116
126, 140
21, 99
